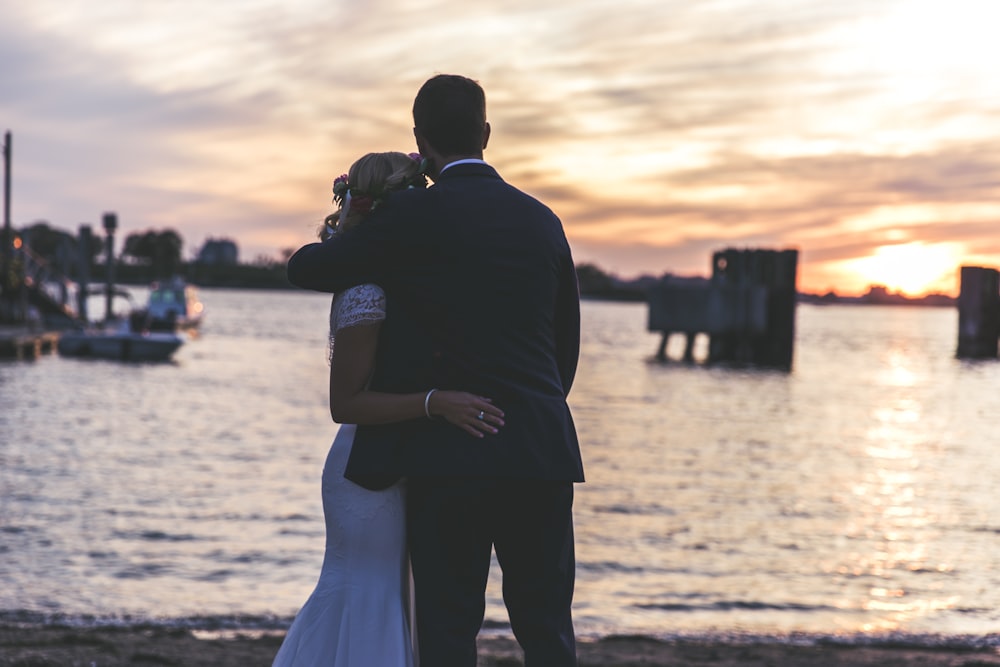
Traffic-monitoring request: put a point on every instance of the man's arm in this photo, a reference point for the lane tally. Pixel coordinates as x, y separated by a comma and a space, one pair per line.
567, 320
363, 254
334, 264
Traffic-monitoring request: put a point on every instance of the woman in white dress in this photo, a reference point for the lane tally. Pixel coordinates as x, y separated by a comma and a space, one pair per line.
359, 613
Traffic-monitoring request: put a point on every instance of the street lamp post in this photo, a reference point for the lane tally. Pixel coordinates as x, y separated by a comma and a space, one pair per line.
110, 222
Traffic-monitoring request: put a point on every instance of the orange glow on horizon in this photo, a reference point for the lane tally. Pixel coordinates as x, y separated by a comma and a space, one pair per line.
913, 269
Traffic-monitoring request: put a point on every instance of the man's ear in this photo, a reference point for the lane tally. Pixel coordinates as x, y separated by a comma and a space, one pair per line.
486, 135
421, 142
428, 153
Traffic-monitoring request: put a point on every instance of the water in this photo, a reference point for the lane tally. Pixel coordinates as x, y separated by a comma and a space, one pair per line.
852, 497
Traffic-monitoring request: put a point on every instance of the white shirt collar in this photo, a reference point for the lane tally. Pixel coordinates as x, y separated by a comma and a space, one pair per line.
470, 160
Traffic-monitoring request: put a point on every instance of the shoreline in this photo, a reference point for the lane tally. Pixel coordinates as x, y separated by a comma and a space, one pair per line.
55, 645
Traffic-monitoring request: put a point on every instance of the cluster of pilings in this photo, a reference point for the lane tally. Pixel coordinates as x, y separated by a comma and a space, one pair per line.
747, 308
979, 313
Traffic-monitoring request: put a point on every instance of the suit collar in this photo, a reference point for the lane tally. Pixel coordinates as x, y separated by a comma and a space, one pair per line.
468, 160
467, 169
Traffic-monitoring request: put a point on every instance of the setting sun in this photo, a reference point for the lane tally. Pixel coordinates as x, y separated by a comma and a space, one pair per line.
913, 268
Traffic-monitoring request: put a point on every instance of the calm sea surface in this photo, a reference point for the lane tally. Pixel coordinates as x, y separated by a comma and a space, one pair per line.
855, 496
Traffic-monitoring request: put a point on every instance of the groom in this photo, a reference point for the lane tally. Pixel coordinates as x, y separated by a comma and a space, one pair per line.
481, 296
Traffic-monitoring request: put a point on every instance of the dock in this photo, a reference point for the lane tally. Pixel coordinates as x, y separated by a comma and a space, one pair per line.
23, 344
746, 308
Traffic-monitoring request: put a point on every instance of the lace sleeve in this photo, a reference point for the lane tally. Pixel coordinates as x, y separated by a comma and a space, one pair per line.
361, 304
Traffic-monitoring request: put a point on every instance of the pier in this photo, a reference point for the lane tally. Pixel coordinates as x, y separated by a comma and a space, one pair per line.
978, 313
23, 344
747, 308
33, 295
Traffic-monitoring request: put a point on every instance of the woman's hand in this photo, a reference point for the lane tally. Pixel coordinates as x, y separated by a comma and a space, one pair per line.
473, 414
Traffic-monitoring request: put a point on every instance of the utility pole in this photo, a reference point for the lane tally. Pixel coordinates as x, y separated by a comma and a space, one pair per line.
8, 236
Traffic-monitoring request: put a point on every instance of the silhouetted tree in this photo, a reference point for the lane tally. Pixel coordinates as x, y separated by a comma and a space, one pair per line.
57, 247
160, 250
593, 280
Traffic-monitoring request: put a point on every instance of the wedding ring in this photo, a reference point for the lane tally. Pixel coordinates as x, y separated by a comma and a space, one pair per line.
482, 413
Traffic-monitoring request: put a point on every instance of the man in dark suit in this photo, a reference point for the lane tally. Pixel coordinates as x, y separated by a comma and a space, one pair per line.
481, 296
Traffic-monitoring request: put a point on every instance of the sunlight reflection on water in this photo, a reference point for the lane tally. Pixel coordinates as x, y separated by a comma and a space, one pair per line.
855, 493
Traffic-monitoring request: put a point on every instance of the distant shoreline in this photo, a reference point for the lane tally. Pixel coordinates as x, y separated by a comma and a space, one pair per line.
933, 301
594, 284
270, 278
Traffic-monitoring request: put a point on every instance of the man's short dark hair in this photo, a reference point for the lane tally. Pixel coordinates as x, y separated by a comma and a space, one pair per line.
450, 113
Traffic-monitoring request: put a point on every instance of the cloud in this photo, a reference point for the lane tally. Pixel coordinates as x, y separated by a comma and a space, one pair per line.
658, 130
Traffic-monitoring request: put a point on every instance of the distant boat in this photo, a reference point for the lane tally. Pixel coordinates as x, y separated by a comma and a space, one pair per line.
173, 305
120, 343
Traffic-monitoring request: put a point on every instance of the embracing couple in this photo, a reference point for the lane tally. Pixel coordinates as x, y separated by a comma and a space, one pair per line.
455, 333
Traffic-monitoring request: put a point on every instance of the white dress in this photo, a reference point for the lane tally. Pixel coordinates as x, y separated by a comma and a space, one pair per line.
358, 615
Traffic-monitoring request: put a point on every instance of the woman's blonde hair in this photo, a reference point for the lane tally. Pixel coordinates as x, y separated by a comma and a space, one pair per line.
367, 184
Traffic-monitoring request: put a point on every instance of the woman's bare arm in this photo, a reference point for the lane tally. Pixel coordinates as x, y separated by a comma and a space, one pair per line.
351, 403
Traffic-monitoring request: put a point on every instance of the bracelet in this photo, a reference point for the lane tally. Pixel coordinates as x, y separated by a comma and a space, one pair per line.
427, 403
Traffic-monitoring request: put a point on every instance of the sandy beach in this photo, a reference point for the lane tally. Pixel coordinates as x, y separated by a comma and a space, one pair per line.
59, 646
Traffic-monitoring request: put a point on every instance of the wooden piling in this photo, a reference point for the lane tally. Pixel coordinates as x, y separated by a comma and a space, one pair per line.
765, 284
747, 308
978, 313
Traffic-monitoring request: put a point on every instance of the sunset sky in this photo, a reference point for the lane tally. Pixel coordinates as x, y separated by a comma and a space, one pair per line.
866, 133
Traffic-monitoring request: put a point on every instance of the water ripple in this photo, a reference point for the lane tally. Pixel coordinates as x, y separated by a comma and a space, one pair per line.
852, 496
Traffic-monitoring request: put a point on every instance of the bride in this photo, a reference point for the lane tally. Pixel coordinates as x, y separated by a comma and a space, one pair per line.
359, 613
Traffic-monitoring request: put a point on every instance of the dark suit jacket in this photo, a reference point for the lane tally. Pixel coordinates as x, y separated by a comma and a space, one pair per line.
481, 296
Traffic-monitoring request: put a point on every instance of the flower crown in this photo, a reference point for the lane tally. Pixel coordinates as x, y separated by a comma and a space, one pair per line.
354, 199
